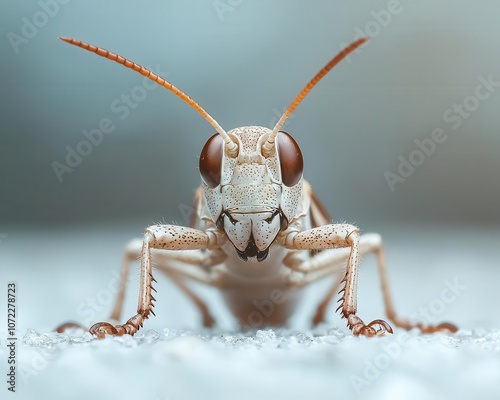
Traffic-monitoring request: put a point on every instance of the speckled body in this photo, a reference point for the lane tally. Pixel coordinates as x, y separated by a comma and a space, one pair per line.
251, 190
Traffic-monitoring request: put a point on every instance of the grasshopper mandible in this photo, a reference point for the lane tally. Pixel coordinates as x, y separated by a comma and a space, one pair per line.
258, 230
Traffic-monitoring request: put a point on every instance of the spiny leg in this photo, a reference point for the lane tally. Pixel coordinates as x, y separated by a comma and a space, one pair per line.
130, 255
132, 252
329, 237
146, 300
169, 237
332, 261
336, 259
162, 259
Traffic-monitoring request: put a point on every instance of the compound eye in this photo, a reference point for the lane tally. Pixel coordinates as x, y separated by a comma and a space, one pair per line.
211, 161
291, 162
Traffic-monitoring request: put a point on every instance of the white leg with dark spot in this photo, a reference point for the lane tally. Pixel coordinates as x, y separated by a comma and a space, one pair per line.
335, 261
329, 237
168, 237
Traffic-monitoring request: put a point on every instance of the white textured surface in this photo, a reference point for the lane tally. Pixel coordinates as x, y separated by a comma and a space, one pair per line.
173, 358
324, 363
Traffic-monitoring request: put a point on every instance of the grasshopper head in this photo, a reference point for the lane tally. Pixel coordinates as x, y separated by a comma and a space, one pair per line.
253, 194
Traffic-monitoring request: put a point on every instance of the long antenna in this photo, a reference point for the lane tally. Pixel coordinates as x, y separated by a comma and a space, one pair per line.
231, 146
269, 144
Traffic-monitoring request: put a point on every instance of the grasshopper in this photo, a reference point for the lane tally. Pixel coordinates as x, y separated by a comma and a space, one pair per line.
258, 232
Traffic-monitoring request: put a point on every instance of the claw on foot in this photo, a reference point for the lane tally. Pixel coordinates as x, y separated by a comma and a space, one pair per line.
101, 329
358, 327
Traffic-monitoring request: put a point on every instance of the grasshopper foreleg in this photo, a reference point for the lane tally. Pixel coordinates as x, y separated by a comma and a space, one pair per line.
167, 237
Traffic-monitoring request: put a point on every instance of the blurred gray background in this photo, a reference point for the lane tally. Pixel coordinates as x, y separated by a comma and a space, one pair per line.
244, 61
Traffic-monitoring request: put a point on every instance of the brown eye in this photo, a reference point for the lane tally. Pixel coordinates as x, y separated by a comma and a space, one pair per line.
211, 161
291, 162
